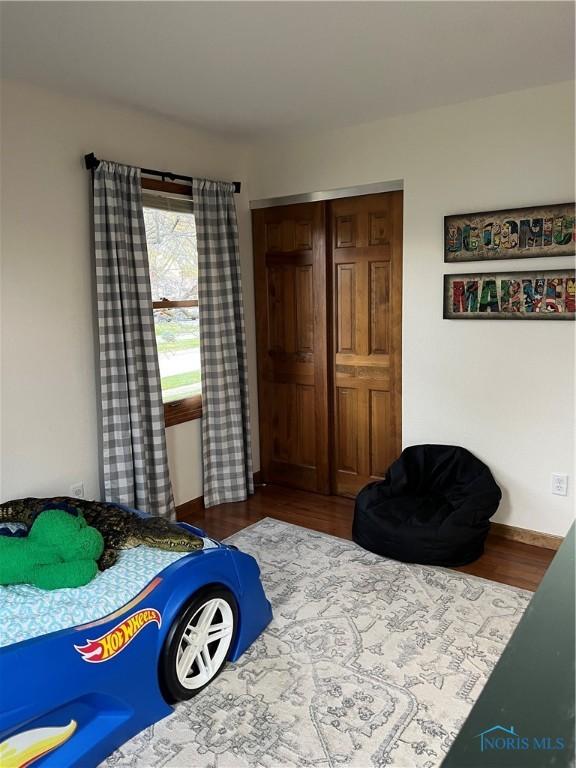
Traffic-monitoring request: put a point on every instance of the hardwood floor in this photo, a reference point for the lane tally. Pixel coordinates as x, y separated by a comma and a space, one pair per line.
504, 560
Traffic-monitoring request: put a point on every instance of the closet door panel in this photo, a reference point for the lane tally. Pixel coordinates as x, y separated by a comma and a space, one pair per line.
305, 403
346, 311
304, 304
347, 430
290, 287
379, 308
381, 425
282, 413
366, 243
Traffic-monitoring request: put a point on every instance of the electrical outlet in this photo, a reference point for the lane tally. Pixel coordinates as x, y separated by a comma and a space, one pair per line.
559, 484
77, 490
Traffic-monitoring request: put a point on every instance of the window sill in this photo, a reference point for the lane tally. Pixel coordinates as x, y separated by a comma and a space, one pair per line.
182, 410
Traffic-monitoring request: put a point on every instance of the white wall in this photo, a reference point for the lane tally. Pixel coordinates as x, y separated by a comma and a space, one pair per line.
49, 429
502, 389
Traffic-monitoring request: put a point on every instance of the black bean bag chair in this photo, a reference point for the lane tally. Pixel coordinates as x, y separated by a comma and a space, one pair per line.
433, 507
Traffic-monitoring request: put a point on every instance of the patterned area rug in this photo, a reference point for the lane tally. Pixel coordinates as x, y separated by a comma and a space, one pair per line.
368, 662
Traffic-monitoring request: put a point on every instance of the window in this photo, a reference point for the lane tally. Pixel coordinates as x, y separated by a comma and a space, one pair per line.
173, 260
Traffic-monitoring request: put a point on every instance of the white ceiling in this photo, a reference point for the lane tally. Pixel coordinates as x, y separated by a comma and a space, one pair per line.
258, 68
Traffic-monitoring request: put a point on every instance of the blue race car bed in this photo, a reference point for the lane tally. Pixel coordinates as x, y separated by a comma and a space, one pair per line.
83, 670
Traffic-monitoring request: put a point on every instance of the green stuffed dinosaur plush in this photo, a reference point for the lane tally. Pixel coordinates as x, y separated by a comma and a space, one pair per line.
60, 551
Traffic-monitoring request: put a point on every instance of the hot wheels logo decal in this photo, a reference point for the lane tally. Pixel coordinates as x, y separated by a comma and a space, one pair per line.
114, 641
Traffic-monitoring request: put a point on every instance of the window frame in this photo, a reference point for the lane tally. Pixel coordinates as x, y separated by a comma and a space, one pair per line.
188, 408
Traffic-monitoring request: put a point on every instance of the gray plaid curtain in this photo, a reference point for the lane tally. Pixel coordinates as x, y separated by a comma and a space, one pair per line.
133, 442
226, 441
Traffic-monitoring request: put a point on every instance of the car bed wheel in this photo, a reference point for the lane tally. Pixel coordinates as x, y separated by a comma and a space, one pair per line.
198, 643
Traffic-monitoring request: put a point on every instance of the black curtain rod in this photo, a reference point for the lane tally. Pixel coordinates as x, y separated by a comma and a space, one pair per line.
92, 162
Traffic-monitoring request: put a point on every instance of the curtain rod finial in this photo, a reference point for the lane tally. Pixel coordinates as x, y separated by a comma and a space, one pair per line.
91, 161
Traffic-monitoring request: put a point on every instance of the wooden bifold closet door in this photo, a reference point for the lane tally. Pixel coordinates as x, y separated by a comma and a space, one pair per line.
290, 288
328, 282
366, 256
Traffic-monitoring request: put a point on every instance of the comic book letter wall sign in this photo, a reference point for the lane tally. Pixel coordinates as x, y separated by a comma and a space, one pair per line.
539, 295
